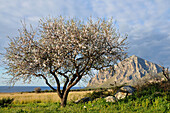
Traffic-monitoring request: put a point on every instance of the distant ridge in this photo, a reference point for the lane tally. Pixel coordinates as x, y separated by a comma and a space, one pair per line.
130, 71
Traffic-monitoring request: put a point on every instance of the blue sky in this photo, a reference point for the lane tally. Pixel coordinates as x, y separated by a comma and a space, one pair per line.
147, 22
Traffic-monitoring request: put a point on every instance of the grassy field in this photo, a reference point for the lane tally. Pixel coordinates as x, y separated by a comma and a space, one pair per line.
24, 98
147, 99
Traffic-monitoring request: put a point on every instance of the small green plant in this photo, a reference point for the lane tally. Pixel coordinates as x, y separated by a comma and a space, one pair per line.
21, 111
5, 102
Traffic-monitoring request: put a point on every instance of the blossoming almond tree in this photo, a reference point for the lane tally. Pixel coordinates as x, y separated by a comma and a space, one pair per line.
64, 48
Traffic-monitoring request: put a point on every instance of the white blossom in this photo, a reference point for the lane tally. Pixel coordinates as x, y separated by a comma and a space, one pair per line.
69, 47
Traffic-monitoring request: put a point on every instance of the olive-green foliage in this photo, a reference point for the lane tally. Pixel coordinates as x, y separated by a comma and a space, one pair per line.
98, 94
95, 94
5, 102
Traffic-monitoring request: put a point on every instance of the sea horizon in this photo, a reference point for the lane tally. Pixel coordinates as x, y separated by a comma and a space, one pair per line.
12, 89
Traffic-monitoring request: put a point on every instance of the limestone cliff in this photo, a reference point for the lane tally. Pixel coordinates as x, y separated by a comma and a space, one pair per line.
101, 77
129, 71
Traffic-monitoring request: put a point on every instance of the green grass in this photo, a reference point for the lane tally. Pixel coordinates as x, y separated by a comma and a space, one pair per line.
160, 105
147, 99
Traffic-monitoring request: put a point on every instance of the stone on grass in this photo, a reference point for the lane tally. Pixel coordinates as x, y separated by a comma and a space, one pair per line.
110, 99
121, 95
128, 89
124, 91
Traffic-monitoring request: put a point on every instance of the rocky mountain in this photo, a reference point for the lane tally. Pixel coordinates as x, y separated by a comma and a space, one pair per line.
130, 71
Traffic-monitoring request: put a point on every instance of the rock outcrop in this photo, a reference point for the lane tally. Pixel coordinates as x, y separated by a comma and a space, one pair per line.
101, 77
124, 91
110, 99
129, 71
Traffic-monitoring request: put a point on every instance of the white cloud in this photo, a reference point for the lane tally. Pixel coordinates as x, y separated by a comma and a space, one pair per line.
146, 21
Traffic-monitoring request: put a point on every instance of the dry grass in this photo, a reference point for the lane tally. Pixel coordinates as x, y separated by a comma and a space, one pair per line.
41, 97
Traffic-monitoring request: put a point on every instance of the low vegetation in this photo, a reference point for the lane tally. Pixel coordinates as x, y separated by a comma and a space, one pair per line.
51, 97
5, 102
148, 98
37, 90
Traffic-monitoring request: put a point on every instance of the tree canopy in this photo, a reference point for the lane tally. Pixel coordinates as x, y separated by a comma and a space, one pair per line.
67, 48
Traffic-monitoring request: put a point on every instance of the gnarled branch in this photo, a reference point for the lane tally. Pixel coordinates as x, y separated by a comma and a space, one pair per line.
46, 81
58, 83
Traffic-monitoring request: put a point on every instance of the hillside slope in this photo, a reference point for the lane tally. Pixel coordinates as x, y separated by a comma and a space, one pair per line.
130, 71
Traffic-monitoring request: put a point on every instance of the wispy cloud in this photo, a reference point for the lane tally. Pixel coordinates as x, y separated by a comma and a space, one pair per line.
147, 22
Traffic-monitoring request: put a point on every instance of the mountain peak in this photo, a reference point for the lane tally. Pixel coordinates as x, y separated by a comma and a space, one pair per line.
134, 57
128, 71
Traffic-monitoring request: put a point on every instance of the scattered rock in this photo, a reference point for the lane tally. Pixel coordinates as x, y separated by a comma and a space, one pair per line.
128, 89
124, 91
121, 95
110, 99
83, 100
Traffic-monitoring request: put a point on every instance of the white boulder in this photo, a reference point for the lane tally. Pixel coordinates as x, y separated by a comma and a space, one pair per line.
110, 99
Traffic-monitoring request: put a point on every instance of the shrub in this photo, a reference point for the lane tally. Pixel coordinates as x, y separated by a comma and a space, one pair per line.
37, 90
5, 102
96, 94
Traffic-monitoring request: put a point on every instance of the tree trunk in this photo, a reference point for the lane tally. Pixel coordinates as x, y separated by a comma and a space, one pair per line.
64, 98
65, 92
63, 102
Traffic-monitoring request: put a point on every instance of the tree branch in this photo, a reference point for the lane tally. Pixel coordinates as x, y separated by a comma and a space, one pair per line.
58, 83
72, 79
74, 83
46, 81
84, 66
67, 80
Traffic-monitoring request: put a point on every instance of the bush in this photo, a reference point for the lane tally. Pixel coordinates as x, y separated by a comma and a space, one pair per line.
116, 88
5, 102
94, 95
37, 90
97, 94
